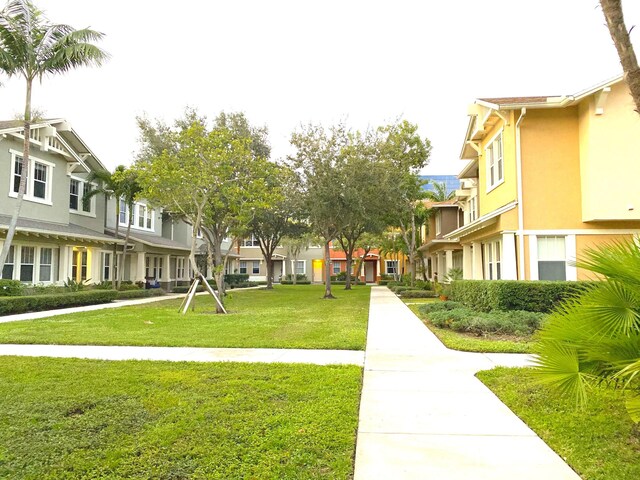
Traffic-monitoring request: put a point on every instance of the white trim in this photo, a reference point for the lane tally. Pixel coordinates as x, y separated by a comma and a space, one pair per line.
593, 231
28, 194
293, 267
92, 206
136, 217
478, 224
499, 181
519, 184
533, 257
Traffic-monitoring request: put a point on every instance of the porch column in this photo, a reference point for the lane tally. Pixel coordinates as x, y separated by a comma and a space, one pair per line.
95, 269
448, 261
65, 263
138, 275
166, 270
467, 262
477, 261
508, 262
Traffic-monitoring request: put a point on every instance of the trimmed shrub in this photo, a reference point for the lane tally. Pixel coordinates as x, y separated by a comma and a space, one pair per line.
438, 306
423, 285
418, 294
130, 294
515, 322
235, 278
10, 288
36, 303
532, 296
404, 288
290, 282
299, 277
180, 289
383, 282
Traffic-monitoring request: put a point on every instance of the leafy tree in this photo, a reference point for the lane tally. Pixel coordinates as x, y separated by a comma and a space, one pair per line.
405, 153
294, 246
122, 185
319, 161
367, 242
594, 338
612, 10
439, 193
189, 169
392, 245
32, 47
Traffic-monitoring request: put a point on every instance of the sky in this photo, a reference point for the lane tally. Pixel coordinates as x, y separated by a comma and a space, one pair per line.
289, 63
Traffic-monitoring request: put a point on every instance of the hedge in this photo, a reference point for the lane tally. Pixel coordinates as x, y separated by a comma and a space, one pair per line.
235, 278
514, 322
139, 293
37, 303
418, 294
298, 282
532, 296
186, 289
10, 288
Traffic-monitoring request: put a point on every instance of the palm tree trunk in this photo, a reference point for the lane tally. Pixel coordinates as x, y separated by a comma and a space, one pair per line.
24, 164
116, 260
612, 10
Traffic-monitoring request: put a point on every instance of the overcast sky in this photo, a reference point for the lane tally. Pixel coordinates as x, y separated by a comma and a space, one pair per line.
285, 63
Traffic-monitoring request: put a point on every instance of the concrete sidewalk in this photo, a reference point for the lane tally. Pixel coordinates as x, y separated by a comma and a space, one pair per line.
424, 415
189, 354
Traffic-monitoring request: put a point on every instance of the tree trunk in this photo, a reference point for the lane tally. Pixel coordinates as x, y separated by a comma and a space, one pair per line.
13, 224
124, 248
327, 270
360, 263
612, 10
347, 284
412, 250
269, 262
294, 275
116, 263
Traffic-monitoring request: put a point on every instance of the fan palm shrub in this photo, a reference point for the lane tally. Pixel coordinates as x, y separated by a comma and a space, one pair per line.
593, 338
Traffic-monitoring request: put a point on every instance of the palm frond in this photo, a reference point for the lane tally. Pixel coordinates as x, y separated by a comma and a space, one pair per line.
617, 261
632, 403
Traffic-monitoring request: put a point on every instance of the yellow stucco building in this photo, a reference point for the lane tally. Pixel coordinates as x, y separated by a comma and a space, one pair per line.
545, 178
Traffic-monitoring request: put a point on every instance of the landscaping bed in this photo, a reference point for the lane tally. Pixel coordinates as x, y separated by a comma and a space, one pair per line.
70, 418
600, 442
285, 317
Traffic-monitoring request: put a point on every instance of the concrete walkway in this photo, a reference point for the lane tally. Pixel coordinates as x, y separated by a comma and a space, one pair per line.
189, 354
423, 414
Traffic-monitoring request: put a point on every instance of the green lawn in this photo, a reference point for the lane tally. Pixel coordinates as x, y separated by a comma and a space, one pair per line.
600, 443
69, 418
285, 317
472, 343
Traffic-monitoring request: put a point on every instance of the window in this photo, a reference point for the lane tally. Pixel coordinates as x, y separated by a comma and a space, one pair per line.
7, 271
147, 262
243, 267
27, 261
256, 267
300, 267
391, 267
552, 264
473, 208
336, 268
46, 257
158, 263
438, 222
180, 267
495, 162
106, 266
124, 212
142, 216
250, 242
492, 260
38, 179
74, 194
86, 204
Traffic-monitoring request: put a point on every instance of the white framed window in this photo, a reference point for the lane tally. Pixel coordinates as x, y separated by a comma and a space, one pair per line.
38, 178
251, 241
180, 270
106, 266
46, 262
243, 267
438, 222
492, 260
142, 216
495, 162
124, 212
255, 269
7, 271
337, 268
473, 208
300, 267
552, 258
78, 188
391, 267
199, 233
27, 263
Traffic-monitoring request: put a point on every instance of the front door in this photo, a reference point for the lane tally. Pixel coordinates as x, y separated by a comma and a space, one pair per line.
317, 270
369, 272
277, 270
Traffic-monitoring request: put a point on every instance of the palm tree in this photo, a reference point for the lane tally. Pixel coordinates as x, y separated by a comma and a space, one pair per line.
594, 338
439, 193
31, 47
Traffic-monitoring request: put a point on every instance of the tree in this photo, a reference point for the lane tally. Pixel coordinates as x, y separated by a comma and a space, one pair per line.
367, 242
294, 246
612, 10
319, 160
32, 47
391, 244
594, 338
439, 193
405, 153
190, 169
274, 210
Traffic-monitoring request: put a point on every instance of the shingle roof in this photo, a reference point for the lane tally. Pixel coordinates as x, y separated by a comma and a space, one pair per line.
4, 124
516, 100
50, 228
154, 240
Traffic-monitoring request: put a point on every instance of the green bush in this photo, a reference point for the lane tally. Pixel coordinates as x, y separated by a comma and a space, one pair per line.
139, 293
10, 288
127, 287
386, 276
383, 282
438, 306
290, 282
181, 289
418, 294
299, 277
515, 322
532, 296
423, 285
36, 303
235, 278
404, 288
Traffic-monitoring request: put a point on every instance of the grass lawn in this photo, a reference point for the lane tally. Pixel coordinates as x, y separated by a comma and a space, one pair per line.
285, 317
69, 418
472, 343
600, 443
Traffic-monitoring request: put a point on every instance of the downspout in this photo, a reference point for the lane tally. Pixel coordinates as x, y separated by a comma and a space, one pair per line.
520, 232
